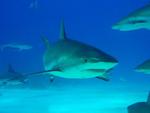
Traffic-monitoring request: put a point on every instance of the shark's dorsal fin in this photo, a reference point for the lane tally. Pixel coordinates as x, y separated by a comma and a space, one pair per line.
63, 35
46, 42
148, 99
10, 69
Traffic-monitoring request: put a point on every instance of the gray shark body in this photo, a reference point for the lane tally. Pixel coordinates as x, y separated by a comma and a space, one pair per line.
139, 19
72, 59
144, 67
12, 77
16, 46
140, 107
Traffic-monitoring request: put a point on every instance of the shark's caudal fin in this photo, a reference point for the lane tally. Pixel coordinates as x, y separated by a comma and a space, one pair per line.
63, 35
46, 42
148, 99
10, 69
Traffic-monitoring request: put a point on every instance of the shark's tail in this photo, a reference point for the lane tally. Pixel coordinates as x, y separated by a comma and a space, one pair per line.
148, 99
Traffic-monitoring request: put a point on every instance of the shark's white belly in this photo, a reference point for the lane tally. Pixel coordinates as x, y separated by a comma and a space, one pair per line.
77, 75
79, 72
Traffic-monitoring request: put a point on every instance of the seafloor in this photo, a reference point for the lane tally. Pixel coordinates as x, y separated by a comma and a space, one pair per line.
74, 97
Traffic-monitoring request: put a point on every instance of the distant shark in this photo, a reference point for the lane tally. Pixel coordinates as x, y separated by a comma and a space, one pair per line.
11, 77
140, 107
16, 46
144, 67
72, 59
136, 20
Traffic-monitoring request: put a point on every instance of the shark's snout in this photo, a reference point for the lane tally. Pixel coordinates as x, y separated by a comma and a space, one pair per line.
121, 27
115, 27
107, 58
102, 64
108, 62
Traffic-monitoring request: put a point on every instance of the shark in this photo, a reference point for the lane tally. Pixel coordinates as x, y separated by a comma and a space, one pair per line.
72, 59
144, 67
140, 107
16, 46
11, 77
138, 19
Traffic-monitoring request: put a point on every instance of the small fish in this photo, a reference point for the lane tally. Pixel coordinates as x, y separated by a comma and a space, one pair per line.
140, 107
139, 19
72, 59
144, 67
21, 47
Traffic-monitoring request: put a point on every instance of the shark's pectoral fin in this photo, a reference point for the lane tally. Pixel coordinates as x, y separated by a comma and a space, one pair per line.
43, 72
103, 77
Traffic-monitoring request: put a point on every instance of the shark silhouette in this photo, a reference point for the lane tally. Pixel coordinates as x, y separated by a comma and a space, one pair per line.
11, 77
138, 19
144, 67
18, 46
72, 59
140, 107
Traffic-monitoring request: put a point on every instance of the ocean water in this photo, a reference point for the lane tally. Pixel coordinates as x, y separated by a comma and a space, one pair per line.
88, 21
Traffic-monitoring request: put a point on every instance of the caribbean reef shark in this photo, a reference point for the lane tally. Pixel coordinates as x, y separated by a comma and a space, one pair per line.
72, 59
140, 107
16, 46
11, 77
144, 67
138, 19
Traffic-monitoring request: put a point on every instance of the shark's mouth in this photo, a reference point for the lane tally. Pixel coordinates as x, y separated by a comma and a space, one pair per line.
137, 21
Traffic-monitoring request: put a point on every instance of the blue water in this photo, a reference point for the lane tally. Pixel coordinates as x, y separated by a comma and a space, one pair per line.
24, 21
